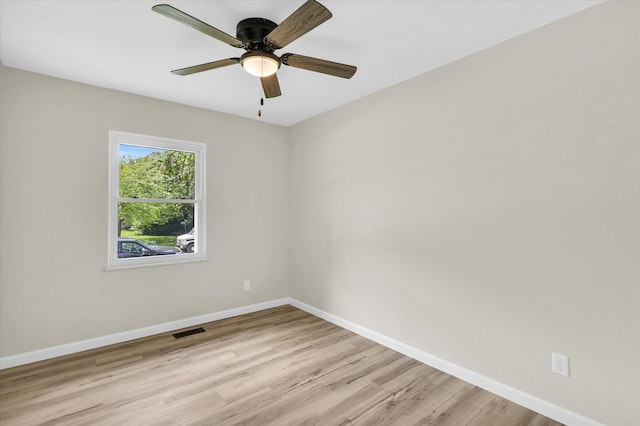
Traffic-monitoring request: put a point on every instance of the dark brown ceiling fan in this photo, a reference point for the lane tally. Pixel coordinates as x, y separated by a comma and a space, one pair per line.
260, 38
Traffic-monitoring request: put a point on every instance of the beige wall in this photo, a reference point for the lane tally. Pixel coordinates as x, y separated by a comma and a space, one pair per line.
488, 212
54, 165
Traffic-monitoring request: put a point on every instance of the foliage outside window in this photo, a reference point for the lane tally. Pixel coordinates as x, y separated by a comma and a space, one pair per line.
156, 188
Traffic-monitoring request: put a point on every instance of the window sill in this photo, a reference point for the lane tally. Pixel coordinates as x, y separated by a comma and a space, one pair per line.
153, 261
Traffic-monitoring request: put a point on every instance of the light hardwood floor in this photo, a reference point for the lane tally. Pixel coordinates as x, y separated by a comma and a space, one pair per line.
280, 366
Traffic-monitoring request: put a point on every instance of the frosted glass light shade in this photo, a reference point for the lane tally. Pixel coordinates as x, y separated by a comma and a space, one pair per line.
260, 64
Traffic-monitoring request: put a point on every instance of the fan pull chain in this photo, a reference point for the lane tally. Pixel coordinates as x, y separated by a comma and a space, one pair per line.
260, 109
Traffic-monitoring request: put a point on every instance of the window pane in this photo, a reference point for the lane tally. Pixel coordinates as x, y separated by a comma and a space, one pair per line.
156, 224
156, 173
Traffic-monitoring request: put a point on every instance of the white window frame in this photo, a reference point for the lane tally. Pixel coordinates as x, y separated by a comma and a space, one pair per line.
116, 139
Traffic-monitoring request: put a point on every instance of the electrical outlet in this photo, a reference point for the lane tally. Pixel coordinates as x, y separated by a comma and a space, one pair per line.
560, 364
247, 285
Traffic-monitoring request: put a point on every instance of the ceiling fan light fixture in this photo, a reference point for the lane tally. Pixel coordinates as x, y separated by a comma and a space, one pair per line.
260, 64
260, 37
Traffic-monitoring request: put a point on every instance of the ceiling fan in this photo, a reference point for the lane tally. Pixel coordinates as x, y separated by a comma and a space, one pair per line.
260, 38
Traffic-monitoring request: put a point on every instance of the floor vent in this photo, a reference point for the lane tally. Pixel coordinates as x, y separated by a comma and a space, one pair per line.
189, 332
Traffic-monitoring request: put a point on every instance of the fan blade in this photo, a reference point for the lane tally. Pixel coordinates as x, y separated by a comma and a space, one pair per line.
208, 66
318, 65
270, 86
307, 17
180, 16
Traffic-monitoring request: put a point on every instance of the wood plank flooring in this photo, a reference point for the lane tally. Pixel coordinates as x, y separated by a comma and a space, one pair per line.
280, 366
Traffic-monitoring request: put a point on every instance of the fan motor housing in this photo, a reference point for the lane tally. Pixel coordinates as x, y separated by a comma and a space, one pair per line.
252, 31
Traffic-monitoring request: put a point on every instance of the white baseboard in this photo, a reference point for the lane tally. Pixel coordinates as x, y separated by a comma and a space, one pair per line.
519, 397
70, 348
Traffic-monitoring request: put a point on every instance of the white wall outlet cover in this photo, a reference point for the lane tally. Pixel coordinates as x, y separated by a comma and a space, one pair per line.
560, 364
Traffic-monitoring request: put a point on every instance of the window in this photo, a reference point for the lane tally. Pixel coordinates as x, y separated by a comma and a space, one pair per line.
156, 201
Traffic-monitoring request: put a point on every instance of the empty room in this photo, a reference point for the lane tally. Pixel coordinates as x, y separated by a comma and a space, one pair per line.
320, 212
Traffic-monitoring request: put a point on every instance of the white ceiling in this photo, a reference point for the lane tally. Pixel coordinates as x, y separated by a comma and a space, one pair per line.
124, 45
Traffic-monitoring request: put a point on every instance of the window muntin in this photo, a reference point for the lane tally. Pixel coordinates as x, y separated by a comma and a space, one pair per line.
156, 187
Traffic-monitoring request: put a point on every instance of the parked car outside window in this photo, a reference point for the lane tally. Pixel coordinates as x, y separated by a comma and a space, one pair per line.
186, 241
130, 247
